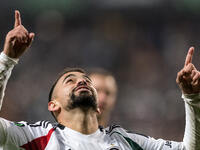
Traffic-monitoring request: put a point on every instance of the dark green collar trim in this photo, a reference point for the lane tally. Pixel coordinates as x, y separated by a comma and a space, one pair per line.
132, 144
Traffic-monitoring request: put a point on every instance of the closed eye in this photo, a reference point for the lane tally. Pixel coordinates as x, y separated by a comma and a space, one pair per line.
69, 80
88, 81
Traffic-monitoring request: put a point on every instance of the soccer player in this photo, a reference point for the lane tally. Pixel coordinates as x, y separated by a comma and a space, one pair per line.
106, 86
73, 102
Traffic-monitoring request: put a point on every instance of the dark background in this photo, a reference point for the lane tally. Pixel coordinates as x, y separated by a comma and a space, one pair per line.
142, 42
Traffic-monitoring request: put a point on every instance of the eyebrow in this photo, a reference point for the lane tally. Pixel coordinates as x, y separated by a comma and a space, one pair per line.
68, 76
73, 75
87, 77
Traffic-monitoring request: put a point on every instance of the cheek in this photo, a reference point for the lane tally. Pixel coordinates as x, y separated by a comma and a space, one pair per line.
64, 94
95, 93
65, 97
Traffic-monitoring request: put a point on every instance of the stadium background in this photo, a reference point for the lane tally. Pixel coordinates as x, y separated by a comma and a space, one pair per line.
142, 42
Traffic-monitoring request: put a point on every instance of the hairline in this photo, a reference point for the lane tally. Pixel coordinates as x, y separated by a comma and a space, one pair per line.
65, 71
60, 75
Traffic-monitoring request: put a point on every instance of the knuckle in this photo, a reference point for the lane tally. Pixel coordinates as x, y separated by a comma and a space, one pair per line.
180, 72
178, 75
21, 28
189, 65
10, 32
10, 35
195, 84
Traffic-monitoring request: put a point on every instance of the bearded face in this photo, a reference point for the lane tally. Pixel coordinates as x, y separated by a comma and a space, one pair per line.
83, 100
75, 90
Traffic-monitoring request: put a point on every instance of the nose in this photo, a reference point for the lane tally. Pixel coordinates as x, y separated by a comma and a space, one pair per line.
81, 82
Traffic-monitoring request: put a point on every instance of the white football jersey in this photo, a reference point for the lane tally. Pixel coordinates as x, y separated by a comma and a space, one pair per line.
44, 135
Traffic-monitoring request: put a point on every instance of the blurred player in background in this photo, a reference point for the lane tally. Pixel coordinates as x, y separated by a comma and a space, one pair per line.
106, 87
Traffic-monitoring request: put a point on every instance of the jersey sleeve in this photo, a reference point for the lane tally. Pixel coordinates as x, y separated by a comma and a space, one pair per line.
6, 66
191, 140
149, 143
192, 129
11, 133
16, 135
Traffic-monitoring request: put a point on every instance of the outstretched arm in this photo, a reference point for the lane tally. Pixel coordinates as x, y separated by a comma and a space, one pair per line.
16, 43
188, 80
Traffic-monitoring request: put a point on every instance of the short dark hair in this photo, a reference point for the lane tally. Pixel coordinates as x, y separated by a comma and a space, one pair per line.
66, 70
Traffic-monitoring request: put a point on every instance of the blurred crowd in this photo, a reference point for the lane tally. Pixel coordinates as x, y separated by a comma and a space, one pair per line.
144, 52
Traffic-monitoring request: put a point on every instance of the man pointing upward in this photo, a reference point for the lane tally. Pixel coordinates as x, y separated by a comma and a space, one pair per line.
18, 39
73, 103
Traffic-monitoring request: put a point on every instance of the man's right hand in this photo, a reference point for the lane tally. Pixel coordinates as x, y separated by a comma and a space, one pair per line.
18, 39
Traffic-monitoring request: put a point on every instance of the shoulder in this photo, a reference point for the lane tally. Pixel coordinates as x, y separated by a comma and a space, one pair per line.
23, 124
129, 139
22, 132
112, 128
38, 128
117, 130
39, 124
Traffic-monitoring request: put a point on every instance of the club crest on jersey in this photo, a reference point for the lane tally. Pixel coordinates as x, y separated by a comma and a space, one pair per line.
19, 124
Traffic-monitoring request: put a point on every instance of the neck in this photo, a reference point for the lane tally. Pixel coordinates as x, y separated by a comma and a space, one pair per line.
103, 119
80, 120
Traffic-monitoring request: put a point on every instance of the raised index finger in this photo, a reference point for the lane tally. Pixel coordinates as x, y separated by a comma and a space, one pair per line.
17, 19
189, 56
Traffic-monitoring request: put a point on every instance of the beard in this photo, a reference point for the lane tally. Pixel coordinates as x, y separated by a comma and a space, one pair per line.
84, 100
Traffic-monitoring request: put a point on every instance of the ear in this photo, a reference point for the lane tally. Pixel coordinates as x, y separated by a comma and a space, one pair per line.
98, 111
53, 106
